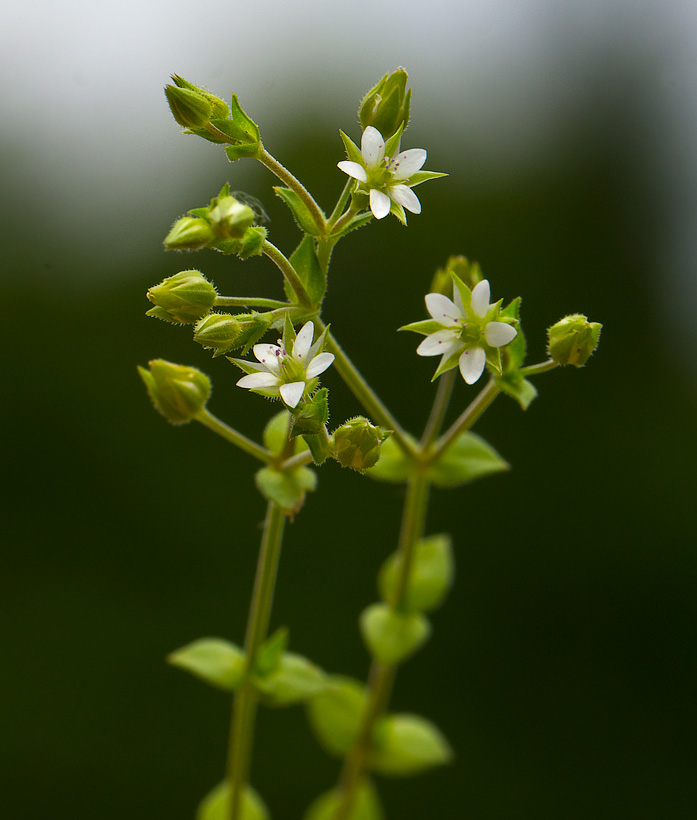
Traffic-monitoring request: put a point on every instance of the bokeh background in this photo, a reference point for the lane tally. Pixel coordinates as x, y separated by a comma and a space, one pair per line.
563, 666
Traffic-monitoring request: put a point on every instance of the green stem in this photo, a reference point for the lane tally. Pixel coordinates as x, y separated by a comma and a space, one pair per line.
382, 677
231, 435
294, 184
341, 202
343, 222
446, 383
465, 421
366, 395
536, 369
249, 301
288, 272
298, 460
244, 712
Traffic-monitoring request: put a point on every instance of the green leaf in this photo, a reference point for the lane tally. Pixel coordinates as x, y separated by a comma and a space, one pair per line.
301, 213
408, 744
516, 386
366, 805
430, 577
335, 714
392, 636
304, 260
286, 489
468, 458
275, 435
213, 660
215, 805
269, 655
393, 464
295, 680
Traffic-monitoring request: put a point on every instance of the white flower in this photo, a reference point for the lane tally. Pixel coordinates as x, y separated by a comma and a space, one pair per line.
386, 178
465, 330
284, 374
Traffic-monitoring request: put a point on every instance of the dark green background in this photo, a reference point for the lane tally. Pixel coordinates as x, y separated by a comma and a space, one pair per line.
562, 668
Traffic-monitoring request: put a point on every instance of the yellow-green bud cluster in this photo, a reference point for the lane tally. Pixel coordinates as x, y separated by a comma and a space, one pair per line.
184, 298
573, 339
177, 391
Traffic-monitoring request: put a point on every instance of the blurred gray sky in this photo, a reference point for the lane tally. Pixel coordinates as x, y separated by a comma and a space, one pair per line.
83, 109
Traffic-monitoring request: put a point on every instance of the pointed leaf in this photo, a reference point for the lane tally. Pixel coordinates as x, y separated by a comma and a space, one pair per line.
335, 715
304, 260
408, 744
393, 465
366, 805
468, 458
286, 489
515, 385
268, 657
215, 805
431, 575
213, 660
392, 636
296, 679
301, 213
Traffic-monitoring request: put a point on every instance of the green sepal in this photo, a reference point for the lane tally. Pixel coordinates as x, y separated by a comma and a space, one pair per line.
468, 458
404, 745
219, 107
397, 210
424, 176
335, 715
393, 636
213, 660
366, 804
514, 352
304, 260
309, 417
287, 489
301, 213
449, 363
430, 577
269, 654
392, 144
215, 805
189, 108
318, 446
294, 680
425, 327
352, 150
515, 385
161, 313
243, 132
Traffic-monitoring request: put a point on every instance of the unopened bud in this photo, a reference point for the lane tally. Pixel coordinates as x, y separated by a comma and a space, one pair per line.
177, 391
188, 233
386, 106
189, 108
573, 339
357, 443
185, 297
219, 107
468, 272
218, 332
229, 219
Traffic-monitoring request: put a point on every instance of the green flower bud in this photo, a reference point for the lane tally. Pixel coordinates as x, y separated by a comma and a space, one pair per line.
386, 106
218, 332
177, 391
185, 297
357, 443
469, 272
573, 339
188, 233
189, 108
220, 107
229, 219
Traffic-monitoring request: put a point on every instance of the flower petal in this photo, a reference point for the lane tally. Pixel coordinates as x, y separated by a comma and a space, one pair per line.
303, 342
472, 364
258, 380
269, 356
441, 343
319, 364
372, 147
408, 162
498, 334
480, 298
379, 203
353, 169
403, 195
442, 309
292, 393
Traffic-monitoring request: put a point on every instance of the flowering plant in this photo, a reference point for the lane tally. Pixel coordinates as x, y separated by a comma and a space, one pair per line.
472, 336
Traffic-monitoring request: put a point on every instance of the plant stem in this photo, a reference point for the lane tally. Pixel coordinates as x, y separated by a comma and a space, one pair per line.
294, 184
381, 679
249, 301
466, 420
439, 409
231, 435
341, 202
536, 369
288, 271
366, 395
244, 711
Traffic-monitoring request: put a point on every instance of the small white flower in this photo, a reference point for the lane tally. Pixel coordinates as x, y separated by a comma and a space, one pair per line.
284, 374
464, 330
386, 178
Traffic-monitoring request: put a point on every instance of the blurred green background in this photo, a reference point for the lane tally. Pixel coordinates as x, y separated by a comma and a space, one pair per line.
563, 667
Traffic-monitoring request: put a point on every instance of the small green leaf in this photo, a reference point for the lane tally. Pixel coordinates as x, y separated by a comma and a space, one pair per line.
431, 575
515, 385
275, 435
296, 679
392, 636
393, 465
214, 660
366, 805
304, 260
301, 213
269, 654
408, 744
215, 805
468, 458
286, 489
336, 713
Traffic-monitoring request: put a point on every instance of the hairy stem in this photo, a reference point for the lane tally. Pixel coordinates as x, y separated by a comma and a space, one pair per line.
536, 369
288, 271
249, 301
231, 435
446, 383
295, 185
244, 711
